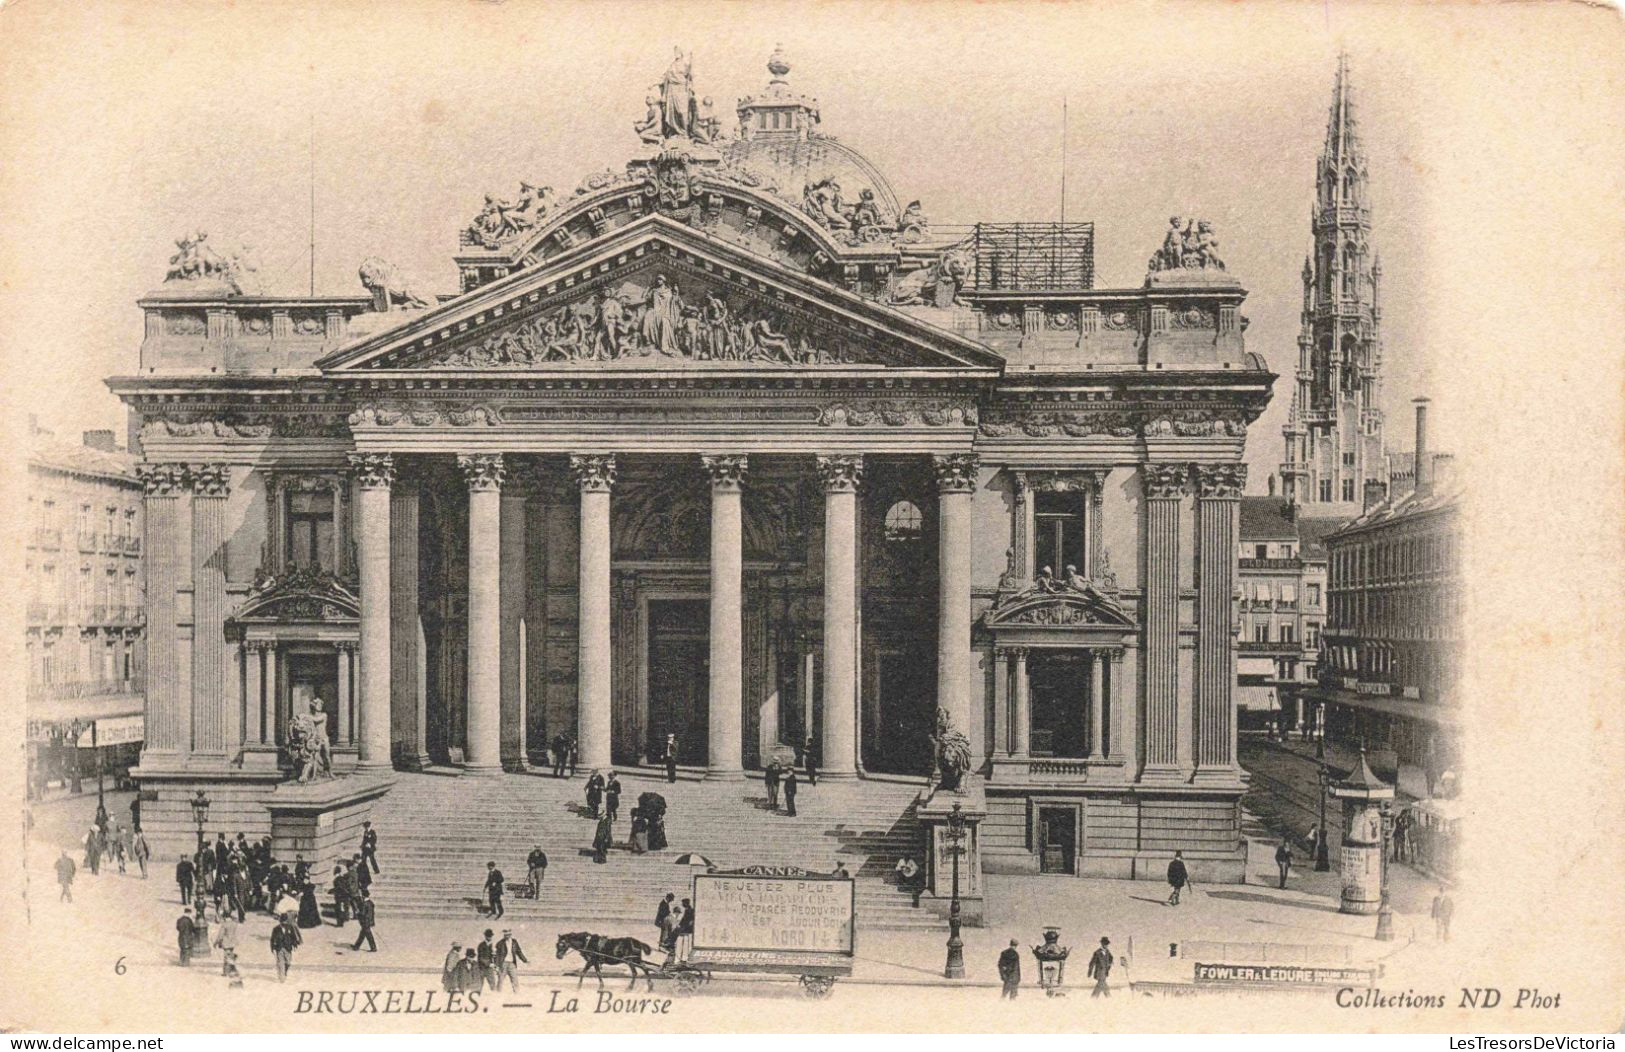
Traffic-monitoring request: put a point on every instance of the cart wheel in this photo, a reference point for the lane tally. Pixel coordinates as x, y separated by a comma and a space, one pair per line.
817, 987
688, 982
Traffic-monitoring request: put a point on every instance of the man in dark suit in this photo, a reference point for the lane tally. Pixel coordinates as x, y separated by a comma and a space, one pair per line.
1100, 966
185, 936
561, 754
368, 916
185, 874
493, 888
369, 846
361, 873
488, 961
671, 757
790, 792
509, 957
663, 911
284, 938
809, 760
341, 895
771, 778
1010, 971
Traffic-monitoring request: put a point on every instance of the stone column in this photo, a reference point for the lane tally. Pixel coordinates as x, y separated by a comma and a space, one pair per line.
257, 726
1001, 702
374, 474
484, 473
273, 699
595, 474
514, 496
1097, 704
1121, 669
168, 565
1218, 502
724, 758
956, 486
1164, 488
344, 733
841, 476
211, 483
409, 702
1021, 710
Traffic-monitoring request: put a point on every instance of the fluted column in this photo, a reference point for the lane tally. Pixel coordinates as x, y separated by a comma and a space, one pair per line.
1164, 488
1218, 501
596, 476
1021, 709
273, 698
168, 563
374, 474
211, 484
956, 486
1001, 702
514, 497
408, 699
346, 728
1097, 704
724, 758
256, 727
841, 476
484, 472
1122, 668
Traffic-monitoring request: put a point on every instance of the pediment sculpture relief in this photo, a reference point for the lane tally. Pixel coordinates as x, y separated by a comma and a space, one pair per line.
1062, 599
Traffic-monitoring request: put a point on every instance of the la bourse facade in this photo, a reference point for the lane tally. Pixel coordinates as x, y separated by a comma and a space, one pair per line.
731, 446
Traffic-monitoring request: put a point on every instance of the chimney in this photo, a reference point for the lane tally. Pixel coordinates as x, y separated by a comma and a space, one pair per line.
1374, 492
1424, 463
1272, 485
101, 439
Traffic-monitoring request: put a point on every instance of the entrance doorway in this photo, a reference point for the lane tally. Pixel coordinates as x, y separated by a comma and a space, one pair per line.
903, 710
1059, 685
1057, 839
679, 678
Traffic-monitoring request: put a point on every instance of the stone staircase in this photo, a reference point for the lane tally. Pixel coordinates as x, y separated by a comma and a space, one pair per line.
437, 831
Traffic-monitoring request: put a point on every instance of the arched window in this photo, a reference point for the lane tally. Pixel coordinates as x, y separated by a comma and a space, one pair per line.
903, 522
1351, 271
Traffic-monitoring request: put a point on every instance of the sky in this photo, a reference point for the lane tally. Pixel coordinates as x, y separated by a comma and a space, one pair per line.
132, 125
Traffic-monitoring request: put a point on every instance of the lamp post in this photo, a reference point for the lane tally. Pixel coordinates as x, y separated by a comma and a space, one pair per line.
101, 804
954, 833
1322, 861
200, 812
1385, 913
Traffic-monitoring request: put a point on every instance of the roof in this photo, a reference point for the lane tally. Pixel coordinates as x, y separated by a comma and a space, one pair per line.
52, 453
1408, 505
1265, 519
1313, 531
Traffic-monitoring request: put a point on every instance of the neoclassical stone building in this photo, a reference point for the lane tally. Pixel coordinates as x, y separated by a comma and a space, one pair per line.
729, 445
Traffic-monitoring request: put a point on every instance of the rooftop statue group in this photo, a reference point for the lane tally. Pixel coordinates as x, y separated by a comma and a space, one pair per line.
1188, 245
503, 220
674, 111
609, 328
197, 260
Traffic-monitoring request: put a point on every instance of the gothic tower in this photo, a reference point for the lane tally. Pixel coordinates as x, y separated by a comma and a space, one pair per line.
1334, 437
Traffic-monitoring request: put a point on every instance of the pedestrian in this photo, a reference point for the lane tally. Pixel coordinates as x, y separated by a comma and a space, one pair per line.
487, 960
1314, 840
671, 757
771, 777
640, 831
115, 841
360, 876
1100, 966
367, 914
595, 793
840, 872
185, 932
1402, 827
1010, 971
603, 840
185, 875
341, 895
466, 976
907, 872
139, 848
241, 888
65, 871
93, 851
226, 941
1283, 860
1444, 907
369, 846
668, 930
790, 792
1178, 876
448, 970
135, 813
809, 760
575, 754
510, 955
612, 797
663, 911
685, 930
310, 914
284, 939
493, 889
536, 869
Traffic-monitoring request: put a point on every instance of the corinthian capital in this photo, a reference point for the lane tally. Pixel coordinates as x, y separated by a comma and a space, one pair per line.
841, 473
956, 472
1220, 481
211, 480
373, 470
164, 480
1165, 481
482, 471
727, 472
595, 473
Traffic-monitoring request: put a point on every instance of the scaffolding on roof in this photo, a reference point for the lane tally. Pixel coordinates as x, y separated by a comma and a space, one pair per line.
1033, 257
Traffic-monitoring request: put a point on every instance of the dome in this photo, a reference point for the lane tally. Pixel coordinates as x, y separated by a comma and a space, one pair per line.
779, 139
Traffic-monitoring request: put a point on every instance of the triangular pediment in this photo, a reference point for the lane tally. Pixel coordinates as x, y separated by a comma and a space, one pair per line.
659, 296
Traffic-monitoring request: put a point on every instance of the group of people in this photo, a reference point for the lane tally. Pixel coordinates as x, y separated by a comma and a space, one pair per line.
676, 923
487, 963
781, 782
108, 841
564, 753
1100, 967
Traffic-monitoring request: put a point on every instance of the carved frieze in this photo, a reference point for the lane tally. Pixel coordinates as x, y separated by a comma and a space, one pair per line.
242, 425
1047, 423
424, 414
1192, 423
841, 473
898, 413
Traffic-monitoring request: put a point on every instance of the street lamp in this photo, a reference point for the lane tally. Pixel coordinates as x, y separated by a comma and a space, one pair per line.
1322, 861
1385, 914
200, 812
954, 833
101, 804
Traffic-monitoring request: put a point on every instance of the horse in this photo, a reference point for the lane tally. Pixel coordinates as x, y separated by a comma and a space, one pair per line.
599, 950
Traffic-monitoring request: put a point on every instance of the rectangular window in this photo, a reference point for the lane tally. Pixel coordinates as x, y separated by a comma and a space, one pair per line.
1314, 594
1326, 491
1348, 459
310, 530
1288, 633
1289, 592
1261, 551
1348, 489
1058, 524
1311, 633
1261, 592
1261, 632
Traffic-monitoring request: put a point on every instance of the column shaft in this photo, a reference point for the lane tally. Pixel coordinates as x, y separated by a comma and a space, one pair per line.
1001, 703
1164, 487
254, 690
956, 485
484, 472
724, 758
513, 612
1218, 501
1021, 714
841, 476
374, 474
168, 563
211, 483
408, 700
344, 731
595, 475
273, 698
1097, 704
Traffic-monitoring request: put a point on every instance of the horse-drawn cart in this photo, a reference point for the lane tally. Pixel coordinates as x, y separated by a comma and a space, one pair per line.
772, 920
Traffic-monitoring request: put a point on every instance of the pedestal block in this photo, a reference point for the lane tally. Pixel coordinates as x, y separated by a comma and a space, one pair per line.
934, 809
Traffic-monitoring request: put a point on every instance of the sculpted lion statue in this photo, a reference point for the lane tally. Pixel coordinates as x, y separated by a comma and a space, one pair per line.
951, 752
377, 274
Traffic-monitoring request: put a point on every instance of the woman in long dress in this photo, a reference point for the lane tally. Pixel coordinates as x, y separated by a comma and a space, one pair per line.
640, 832
595, 792
310, 914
